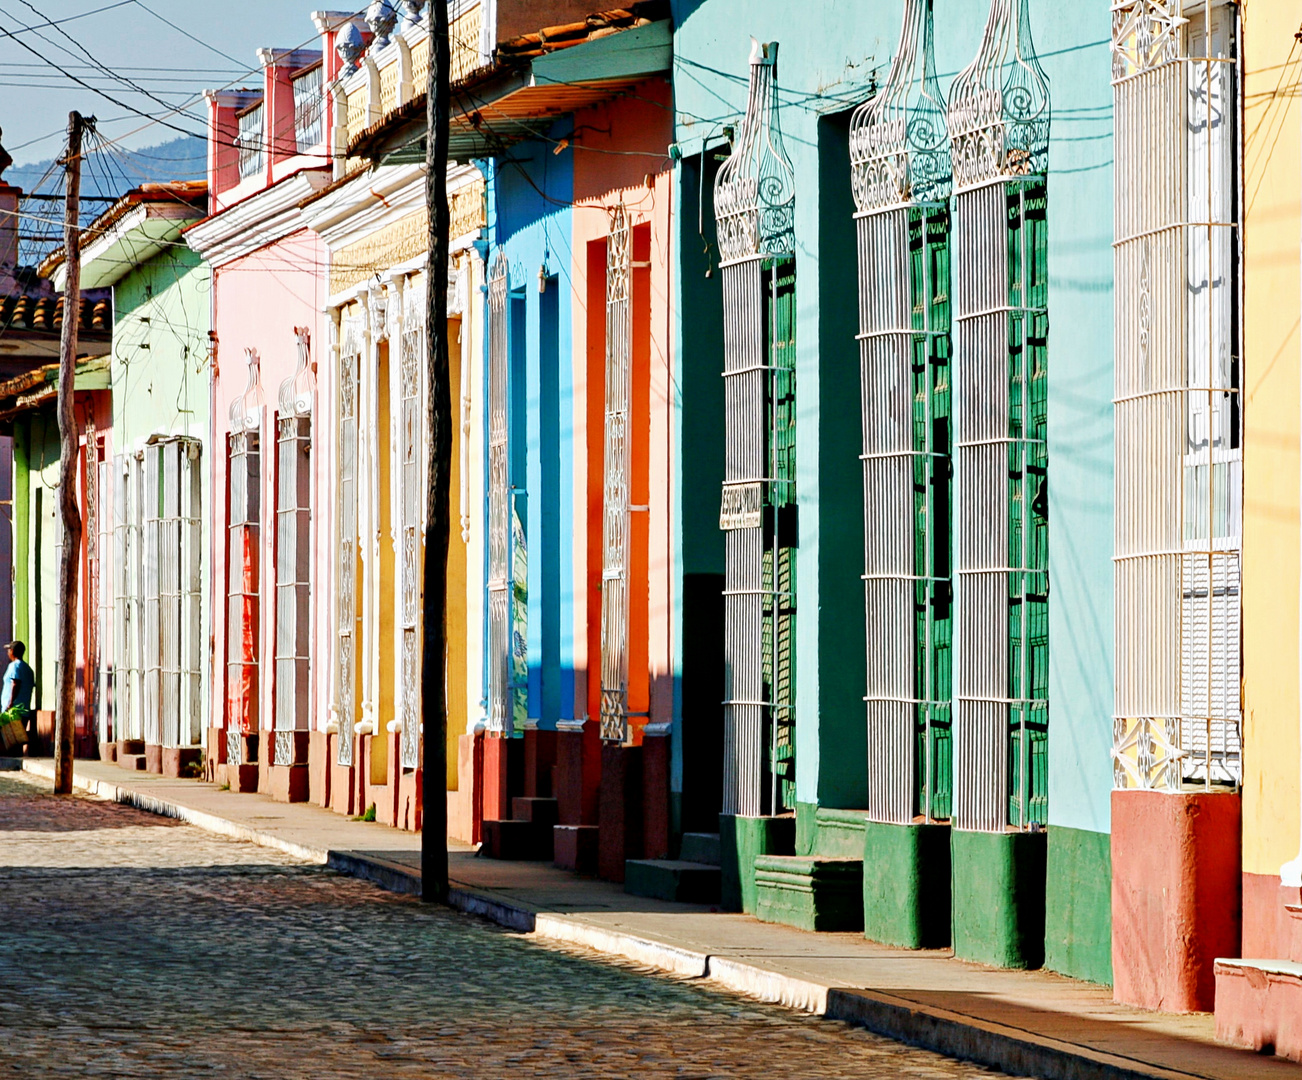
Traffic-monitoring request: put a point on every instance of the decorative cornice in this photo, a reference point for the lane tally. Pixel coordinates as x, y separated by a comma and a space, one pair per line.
253, 223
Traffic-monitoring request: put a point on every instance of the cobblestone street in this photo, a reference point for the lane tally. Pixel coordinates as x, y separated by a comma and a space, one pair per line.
139, 947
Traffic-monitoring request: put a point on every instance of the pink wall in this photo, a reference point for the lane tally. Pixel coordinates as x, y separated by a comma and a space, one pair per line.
258, 300
630, 164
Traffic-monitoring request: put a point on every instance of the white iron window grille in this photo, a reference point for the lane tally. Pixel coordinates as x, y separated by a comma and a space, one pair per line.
106, 589
999, 113
500, 527
1179, 379
309, 110
91, 498
128, 592
411, 536
249, 142
754, 200
899, 152
617, 479
293, 555
350, 362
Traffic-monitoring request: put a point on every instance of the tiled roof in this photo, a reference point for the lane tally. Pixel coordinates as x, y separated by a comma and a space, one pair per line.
44, 314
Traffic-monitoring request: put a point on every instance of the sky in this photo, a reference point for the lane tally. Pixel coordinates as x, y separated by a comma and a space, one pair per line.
125, 38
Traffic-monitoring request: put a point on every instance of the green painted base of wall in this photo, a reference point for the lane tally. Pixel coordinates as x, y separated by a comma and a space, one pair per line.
840, 833
1078, 904
806, 827
809, 892
906, 885
741, 841
999, 881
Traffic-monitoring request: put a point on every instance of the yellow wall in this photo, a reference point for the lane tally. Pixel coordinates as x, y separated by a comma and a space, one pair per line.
458, 625
1272, 239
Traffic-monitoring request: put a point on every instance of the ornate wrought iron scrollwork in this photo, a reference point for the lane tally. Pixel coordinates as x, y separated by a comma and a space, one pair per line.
755, 191
1145, 34
899, 138
999, 104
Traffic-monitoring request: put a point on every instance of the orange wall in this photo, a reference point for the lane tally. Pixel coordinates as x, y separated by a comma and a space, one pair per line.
620, 154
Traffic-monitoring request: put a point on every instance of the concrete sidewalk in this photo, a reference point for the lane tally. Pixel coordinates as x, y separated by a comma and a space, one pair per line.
1025, 1023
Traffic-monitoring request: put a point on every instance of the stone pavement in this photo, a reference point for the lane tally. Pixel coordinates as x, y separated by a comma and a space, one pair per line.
1026, 1023
136, 946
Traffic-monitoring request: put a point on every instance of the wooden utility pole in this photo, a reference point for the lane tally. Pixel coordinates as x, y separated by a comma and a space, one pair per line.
65, 711
434, 692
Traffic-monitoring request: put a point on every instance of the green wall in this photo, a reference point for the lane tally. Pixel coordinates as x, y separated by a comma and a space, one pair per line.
1078, 916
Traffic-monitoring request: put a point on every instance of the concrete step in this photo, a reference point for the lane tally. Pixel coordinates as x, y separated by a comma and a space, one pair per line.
516, 840
535, 810
701, 847
575, 848
134, 762
672, 879
811, 892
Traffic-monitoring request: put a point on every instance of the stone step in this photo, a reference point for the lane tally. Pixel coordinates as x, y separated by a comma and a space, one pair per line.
134, 762
672, 879
574, 847
701, 847
535, 810
516, 840
811, 892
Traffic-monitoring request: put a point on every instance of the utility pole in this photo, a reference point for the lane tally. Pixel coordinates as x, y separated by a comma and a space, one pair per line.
434, 694
65, 714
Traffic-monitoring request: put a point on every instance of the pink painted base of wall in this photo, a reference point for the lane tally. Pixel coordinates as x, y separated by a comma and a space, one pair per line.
318, 768
655, 797
466, 804
1259, 1002
1260, 1009
619, 816
1176, 873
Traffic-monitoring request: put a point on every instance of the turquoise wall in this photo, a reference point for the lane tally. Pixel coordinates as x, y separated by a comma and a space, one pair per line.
826, 61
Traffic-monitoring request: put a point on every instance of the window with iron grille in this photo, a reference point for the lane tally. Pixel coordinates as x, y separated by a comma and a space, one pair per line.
128, 591
346, 539
411, 538
901, 182
249, 142
754, 201
293, 573
1179, 478
500, 533
999, 138
243, 580
617, 482
309, 110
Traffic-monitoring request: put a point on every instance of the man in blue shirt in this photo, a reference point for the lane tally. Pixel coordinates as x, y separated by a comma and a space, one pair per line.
19, 682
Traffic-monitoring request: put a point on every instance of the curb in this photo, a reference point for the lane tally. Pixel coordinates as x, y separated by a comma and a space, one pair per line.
1013, 1051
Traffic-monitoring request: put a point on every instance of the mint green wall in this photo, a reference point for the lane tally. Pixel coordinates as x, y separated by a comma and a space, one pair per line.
827, 56
160, 374
36, 479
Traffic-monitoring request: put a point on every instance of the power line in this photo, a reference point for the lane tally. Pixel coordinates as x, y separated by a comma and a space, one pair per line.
13, 36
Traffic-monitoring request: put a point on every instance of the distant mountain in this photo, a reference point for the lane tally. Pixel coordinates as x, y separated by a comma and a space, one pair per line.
107, 175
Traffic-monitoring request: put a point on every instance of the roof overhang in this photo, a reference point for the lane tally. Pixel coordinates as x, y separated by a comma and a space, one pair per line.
508, 104
139, 235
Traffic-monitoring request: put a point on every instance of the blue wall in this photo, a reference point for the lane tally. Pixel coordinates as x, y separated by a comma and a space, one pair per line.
529, 191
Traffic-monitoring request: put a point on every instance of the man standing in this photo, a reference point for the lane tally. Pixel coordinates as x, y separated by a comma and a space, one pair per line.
19, 682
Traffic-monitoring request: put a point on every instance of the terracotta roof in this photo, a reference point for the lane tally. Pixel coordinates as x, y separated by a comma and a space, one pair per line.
40, 385
44, 314
192, 193
518, 51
